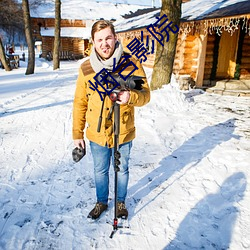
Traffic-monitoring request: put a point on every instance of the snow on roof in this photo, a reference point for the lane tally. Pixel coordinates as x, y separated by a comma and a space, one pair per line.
85, 10
192, 10
138, 2
80, 32
136, 22
197, 9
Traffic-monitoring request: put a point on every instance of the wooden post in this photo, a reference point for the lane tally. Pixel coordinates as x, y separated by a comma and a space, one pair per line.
201, 60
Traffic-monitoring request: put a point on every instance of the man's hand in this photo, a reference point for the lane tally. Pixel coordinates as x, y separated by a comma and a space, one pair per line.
123, 97
79, 151
79, 143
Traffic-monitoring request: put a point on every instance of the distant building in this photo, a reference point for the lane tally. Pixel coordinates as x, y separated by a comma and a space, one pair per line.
77, 18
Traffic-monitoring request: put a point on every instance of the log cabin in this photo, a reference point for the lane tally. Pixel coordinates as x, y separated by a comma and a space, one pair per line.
213, 44
74, 37
77, 17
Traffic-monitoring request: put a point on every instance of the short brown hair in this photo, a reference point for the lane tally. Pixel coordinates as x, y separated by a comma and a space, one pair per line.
101, 24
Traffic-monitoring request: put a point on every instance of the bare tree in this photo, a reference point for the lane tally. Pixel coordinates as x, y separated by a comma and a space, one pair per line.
3, 57
28, 33
56, 59
165, 54
11, 24
36, 3
11, 16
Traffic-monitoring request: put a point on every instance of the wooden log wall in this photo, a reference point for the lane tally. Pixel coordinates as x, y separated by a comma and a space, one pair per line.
178, 61
50, 22
66, 44
150, 61
187, 51
190, 56
47, 45
73, 45
79, 46
125, 40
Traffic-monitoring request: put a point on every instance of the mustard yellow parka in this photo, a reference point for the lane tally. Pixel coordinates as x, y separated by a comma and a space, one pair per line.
87, 106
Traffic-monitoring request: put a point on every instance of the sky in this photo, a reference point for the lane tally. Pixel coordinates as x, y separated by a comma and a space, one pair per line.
189, 169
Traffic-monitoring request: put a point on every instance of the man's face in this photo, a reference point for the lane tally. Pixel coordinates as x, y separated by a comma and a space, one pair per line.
104, 42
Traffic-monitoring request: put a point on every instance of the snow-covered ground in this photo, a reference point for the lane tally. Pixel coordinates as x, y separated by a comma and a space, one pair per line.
189, 170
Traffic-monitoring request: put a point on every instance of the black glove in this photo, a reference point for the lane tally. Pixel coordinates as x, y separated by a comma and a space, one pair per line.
78, 153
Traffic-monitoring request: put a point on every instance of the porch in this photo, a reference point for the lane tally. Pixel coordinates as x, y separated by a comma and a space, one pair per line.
231, 87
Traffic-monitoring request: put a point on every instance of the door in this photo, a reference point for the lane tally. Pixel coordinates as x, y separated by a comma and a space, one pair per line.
227, 55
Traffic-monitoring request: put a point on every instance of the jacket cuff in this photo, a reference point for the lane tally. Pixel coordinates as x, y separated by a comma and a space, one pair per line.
77, 135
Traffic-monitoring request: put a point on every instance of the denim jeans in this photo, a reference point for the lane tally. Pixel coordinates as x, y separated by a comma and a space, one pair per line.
102, 157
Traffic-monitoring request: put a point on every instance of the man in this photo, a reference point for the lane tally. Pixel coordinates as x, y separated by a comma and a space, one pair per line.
87, 106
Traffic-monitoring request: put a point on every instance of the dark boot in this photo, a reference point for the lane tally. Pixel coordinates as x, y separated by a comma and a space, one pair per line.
122, 211
97, 210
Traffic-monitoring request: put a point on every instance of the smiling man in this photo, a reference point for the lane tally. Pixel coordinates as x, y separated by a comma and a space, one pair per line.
86, 110
104, 40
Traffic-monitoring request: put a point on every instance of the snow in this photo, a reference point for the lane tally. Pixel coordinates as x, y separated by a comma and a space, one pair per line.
192, 10
84, 33
93, 10
86, 10
156, 3
189, 169
196, 9
136, 22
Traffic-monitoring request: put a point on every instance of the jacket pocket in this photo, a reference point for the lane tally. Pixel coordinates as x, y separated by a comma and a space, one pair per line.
126, 119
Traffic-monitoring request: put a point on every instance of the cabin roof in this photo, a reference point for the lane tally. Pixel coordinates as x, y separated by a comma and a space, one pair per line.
207, 9
193, 10
77, 32
85, 10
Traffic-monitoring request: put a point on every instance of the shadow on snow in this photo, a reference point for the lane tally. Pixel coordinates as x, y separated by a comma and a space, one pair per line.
23, 110
190, 153
209, 225
212, 226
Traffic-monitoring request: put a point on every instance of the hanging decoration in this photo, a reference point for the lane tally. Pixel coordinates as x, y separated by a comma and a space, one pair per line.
246, 25
218, 25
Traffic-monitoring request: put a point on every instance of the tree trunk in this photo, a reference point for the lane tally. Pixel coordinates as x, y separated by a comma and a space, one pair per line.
165, 54
3, 57
29, 38
56, 59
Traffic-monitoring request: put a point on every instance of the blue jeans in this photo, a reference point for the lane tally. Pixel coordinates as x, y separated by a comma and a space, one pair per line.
102, 158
